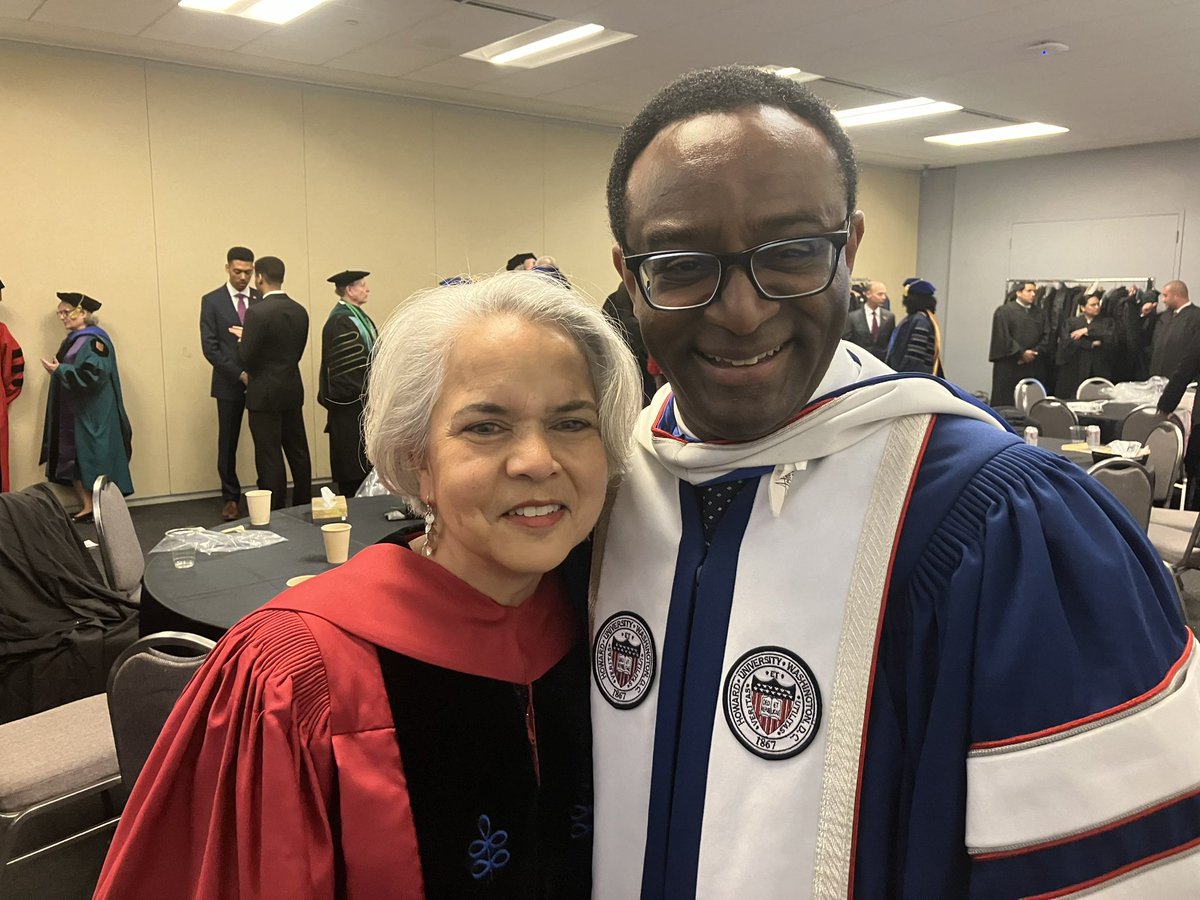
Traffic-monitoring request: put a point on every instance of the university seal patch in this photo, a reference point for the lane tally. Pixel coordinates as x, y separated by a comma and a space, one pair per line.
772, 702
624, 659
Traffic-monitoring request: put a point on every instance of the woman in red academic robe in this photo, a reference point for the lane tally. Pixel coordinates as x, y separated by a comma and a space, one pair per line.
414, 723
12, 377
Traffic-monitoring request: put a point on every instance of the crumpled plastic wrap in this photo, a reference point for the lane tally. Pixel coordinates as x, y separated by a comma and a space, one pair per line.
1140, 391
373, 487
210, 542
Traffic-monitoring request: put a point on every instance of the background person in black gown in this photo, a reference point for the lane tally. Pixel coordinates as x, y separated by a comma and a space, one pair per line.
1019, 340
1085, 351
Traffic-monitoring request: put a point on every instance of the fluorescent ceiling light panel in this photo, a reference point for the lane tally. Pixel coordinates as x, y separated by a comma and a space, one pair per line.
1004, 133
207, 5
791, 73
548, 43
913, 108
278, 12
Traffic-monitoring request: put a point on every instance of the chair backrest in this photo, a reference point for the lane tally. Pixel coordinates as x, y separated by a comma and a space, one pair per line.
143, 685
1129, 482
1140, 422
1027, 392
1166, 455
1053, 417
120, 549
1094, 389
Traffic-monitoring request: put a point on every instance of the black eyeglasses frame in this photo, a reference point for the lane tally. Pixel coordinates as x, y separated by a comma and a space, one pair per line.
726, 261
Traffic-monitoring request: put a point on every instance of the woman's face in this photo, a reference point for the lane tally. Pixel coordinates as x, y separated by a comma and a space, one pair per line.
1091, 307
71, 317
516, 469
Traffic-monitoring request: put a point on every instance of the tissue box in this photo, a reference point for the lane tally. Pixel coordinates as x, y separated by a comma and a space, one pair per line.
321, 512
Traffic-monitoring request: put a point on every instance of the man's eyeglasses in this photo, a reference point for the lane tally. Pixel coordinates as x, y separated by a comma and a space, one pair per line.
779, 270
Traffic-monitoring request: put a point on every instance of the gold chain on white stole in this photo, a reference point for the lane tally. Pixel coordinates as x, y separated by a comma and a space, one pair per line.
848, 704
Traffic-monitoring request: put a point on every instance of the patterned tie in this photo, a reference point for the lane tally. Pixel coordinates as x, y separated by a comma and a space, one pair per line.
714, 501
241, 299
874, 324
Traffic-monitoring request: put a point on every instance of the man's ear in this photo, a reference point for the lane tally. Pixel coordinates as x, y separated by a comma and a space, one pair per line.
858, 225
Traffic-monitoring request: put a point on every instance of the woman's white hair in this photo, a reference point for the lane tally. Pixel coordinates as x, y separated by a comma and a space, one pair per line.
408, 366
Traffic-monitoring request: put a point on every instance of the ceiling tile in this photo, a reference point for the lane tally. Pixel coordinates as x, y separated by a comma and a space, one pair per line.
18, 9
390, 57
201, 29
463, 28
328, 32
123, 17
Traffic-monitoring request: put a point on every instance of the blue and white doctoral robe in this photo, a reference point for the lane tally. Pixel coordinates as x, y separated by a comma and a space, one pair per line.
966, 677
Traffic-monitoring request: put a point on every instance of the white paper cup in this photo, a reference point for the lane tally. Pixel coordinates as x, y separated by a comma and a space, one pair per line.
259, 504
337, 541
298, 579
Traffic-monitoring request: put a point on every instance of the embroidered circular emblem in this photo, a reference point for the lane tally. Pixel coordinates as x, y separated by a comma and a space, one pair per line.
624, 659
772, 702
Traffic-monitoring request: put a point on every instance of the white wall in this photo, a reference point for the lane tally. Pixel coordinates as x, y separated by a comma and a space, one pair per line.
968, 214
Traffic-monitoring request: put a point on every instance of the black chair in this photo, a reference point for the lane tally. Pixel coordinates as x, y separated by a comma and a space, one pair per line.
1166, 456
143, 685
1130, 483
1027, 392
120, 550
1174, 534
1094, 389
1140, 422
1053, 418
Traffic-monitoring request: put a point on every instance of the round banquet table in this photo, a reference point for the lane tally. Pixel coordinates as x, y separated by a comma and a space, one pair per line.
222, 588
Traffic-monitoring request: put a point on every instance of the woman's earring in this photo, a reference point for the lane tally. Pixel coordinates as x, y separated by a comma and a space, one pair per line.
430, 530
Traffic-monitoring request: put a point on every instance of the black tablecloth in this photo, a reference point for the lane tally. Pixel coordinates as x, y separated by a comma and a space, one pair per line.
220, 589
1110, 419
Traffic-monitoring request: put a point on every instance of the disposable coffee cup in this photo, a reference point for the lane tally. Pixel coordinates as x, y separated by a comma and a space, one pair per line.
259, 504
1031, 435
183, 550
337, 541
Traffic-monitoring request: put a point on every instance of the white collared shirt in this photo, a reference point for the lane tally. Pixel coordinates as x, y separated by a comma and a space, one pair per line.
233, 295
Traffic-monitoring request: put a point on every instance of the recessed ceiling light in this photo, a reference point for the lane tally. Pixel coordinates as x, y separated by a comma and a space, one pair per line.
912, 108
549, 43
1004, 133
791, 73
207, 5
277, 12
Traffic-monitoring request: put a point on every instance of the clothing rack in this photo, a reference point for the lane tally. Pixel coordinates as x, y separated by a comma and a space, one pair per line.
1147, 279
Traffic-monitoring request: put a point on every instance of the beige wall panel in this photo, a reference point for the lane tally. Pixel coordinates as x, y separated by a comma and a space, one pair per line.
369, 177
228, 163
76, 188
577, 235
488, 189
890, 199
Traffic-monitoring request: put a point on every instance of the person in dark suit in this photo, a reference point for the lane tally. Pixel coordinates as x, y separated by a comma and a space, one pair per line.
870, 325
219, 310
1176, 330
271, 342
1186, 370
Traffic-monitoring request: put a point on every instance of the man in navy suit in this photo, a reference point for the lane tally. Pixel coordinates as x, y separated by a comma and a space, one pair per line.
219, 310
870, 325
270, 346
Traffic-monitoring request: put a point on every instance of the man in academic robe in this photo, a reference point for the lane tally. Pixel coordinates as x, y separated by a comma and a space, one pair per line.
346, 342
12, 377
870, 325
1175, 331
979, 695
221, 309
270, 344
1020, 337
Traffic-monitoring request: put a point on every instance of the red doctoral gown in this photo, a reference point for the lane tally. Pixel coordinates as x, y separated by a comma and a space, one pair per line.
278, 775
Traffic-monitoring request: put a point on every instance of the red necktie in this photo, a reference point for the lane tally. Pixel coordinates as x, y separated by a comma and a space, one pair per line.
874, 324
241, 299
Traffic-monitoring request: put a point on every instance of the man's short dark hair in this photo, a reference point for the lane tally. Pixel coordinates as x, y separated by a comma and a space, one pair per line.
241, 254
271, 269
717, 90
